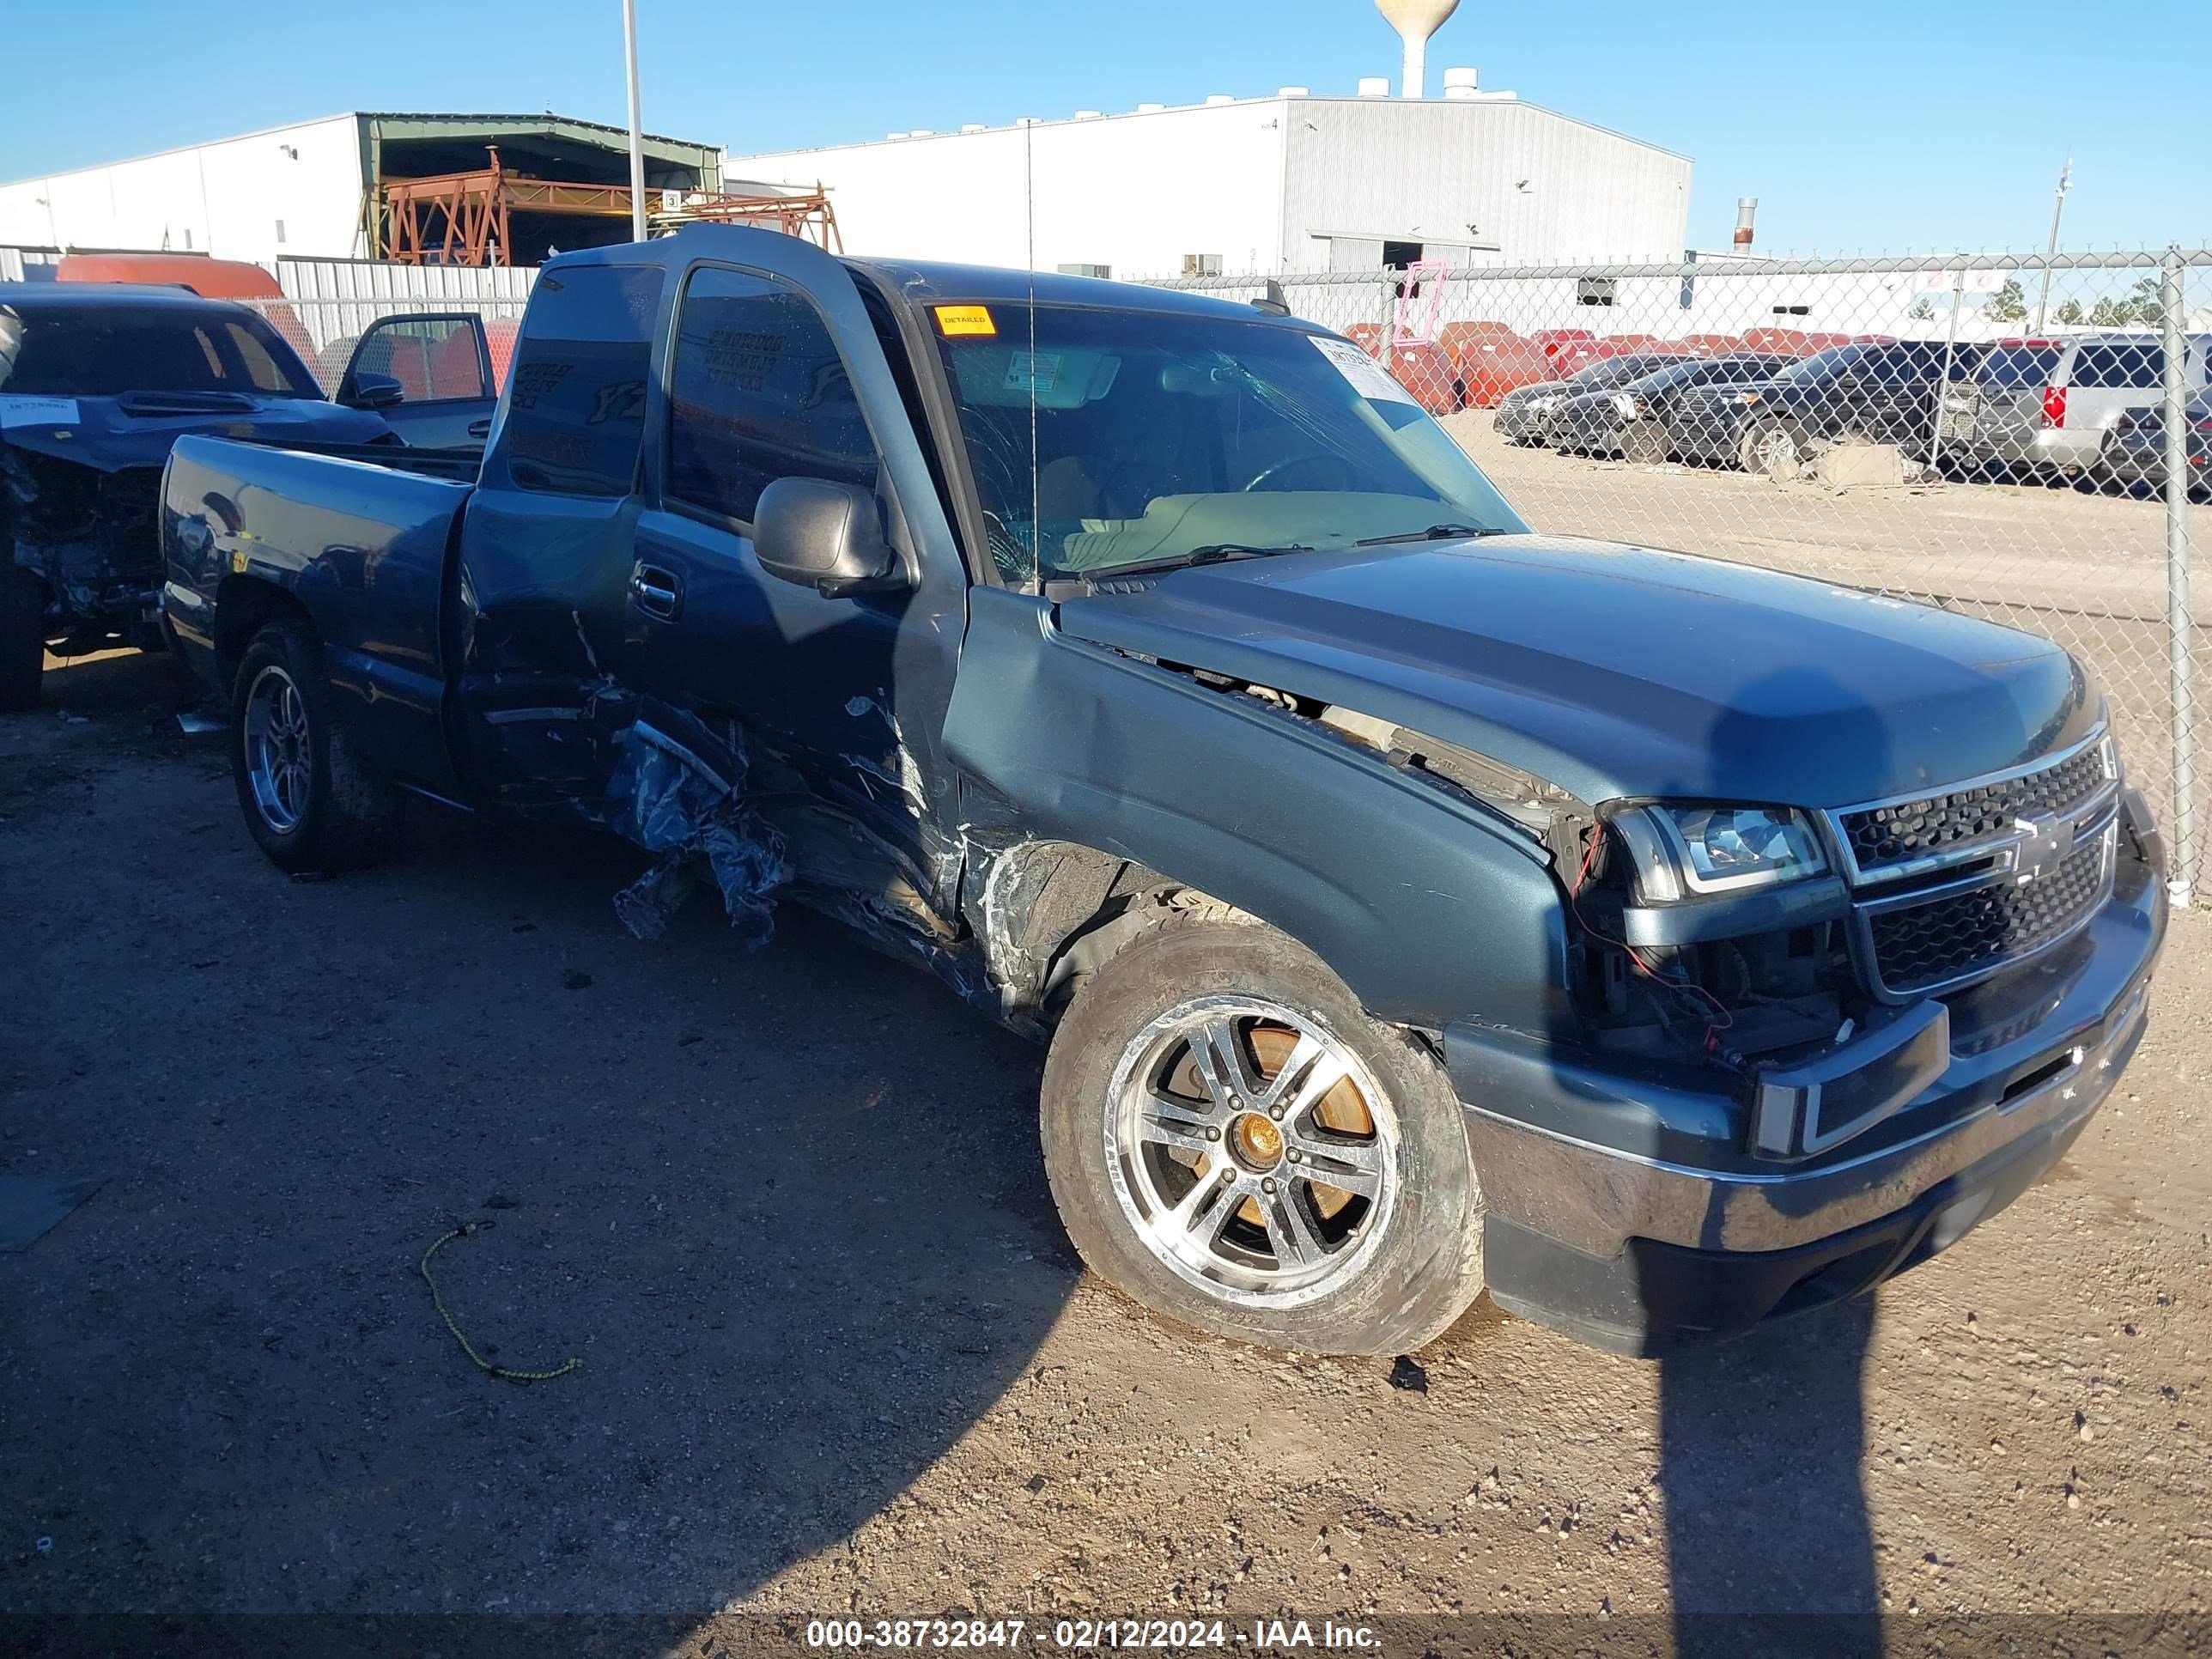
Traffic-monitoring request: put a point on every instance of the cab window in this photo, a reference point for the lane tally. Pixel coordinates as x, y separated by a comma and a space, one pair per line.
576, 396
757, 392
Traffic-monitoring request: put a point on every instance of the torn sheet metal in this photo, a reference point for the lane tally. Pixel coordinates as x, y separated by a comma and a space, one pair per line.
666, 797
897, 777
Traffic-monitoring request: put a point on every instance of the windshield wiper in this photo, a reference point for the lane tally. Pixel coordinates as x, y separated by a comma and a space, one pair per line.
1435, 532
1212, 553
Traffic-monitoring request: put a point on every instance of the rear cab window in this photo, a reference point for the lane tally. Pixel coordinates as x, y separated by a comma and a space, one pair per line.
2011, 364
575, 418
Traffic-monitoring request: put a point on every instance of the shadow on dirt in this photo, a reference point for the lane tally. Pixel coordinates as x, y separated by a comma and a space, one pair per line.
1761, 1444
121, 682
787, 1207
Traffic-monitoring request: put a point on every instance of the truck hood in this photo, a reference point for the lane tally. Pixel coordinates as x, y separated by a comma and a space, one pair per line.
137, 428
1614, 670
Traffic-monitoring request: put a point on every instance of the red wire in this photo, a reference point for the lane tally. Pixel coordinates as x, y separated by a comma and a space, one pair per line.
1721, 1019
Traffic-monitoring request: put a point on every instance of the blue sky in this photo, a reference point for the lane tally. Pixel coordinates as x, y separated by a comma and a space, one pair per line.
1877, 126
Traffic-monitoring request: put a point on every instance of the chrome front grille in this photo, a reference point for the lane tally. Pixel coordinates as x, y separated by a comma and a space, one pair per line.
1956, 884
1939, 941
1884, 840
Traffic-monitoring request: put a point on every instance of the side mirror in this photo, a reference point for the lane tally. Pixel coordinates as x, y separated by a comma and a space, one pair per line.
374, 391
826, 537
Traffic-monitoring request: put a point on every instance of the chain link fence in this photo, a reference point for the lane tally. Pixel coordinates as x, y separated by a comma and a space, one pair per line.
431, 358
1996, 434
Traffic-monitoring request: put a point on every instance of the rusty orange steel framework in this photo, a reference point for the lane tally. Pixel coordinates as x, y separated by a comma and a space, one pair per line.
465, 218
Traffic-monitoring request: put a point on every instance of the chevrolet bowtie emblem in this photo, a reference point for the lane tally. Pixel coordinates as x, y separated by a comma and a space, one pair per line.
2046, 843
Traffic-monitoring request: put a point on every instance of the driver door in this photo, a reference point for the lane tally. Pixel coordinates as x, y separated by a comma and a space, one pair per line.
779, 369
442, 364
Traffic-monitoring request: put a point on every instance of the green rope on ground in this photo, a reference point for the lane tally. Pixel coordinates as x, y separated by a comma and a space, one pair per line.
481, 1364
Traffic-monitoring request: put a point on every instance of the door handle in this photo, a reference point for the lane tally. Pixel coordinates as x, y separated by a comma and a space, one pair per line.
659, 591
480, 429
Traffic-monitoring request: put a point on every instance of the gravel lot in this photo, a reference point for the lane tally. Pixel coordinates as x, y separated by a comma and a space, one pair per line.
787, 1209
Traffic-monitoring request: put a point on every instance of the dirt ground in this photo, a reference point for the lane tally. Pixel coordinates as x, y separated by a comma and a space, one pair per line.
839, 1359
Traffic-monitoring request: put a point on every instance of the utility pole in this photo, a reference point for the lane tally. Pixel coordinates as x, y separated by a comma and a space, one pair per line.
2057, 208
637, 134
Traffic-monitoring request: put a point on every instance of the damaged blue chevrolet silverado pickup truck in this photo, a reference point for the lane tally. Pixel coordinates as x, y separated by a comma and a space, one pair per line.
1412, 904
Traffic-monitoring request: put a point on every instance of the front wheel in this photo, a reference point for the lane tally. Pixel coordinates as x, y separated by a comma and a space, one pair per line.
309, 803
1777, 448
1644, 445
1232, 1141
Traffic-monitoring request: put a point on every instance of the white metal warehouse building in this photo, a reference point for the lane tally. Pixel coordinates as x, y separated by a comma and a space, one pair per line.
1286, 182
311, 189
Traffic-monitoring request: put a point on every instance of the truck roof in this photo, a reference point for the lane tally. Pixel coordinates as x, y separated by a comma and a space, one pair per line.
58, 296
922, 281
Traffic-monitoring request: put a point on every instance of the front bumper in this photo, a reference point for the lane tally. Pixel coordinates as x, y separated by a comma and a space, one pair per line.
2144, 462
1597, 431
2048, 449
1525, 421
1706, 435
1635, 1218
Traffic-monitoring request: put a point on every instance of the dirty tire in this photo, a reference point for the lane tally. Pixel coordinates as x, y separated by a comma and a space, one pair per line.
22, 638
1406, 1283
1643, 446
344, 817
1777, 448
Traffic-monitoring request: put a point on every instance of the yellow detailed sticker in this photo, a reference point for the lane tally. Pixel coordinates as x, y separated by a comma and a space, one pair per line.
954, 320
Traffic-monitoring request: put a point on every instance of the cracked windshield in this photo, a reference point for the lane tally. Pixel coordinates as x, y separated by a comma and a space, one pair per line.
1162, 440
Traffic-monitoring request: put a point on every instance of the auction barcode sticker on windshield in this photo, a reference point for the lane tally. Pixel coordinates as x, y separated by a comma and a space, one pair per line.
17, 411
1033, 371
1369, 378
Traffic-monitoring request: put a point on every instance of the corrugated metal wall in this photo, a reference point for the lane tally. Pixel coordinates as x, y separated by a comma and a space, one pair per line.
19, 264
375, 280
334, 299
1503, 175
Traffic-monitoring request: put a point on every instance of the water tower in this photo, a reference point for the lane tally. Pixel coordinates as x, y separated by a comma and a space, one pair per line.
1415, 21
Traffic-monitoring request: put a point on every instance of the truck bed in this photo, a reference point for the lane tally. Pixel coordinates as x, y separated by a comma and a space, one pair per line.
362, 545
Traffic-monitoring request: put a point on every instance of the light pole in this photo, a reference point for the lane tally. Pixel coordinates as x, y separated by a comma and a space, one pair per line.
2057, 208
637, 135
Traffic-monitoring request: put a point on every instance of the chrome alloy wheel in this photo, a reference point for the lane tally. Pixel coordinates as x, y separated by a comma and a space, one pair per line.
279, 764
1777, 452
1251, 1151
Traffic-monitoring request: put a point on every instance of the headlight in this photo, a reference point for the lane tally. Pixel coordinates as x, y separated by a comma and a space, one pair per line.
1682, 850
1747, 397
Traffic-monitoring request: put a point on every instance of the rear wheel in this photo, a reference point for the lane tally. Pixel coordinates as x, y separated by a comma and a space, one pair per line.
309, 803
1234, 1142
23, 637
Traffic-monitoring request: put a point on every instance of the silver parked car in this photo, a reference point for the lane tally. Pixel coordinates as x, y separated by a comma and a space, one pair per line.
2047, 405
